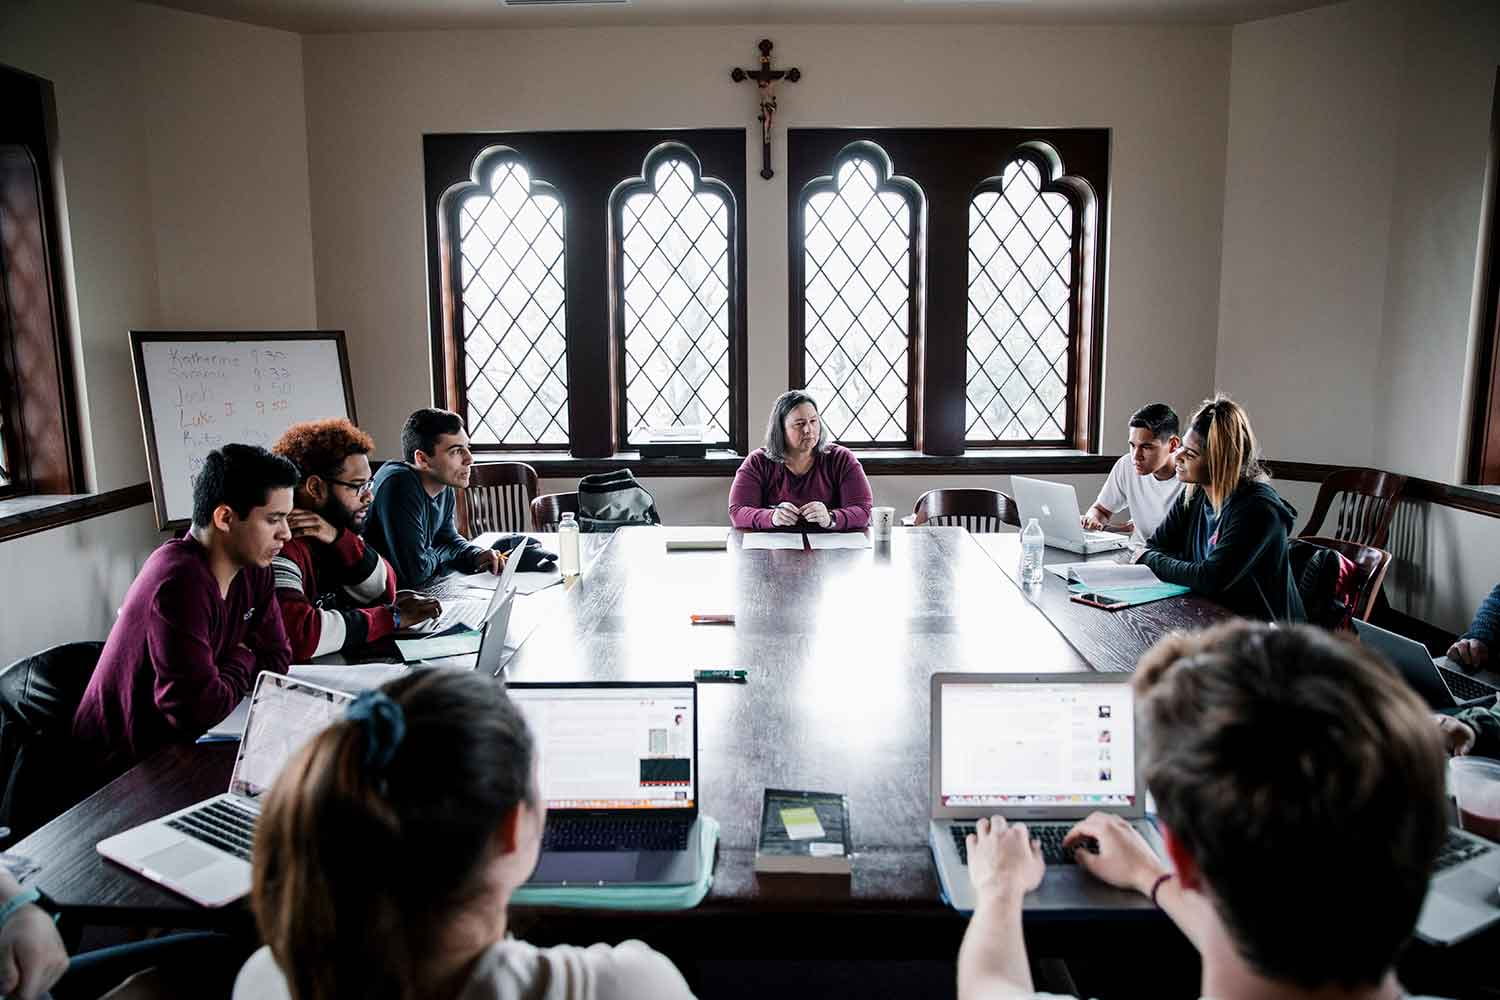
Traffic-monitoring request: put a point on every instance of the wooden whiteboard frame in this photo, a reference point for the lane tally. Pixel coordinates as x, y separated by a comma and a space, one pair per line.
138, 338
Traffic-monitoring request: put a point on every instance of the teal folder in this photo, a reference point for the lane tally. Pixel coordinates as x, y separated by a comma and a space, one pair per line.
1131, 596
630, 897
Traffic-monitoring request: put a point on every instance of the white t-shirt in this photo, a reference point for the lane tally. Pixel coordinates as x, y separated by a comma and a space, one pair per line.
515, 970
1147, 498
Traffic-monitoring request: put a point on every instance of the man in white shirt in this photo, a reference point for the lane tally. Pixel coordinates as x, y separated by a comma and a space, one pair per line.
1144, 481
1299, 789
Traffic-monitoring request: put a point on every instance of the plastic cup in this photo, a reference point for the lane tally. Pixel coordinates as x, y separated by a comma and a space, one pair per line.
1475, 785
881, 521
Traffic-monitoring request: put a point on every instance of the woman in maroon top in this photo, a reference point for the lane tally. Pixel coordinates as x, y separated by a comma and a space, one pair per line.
800, 479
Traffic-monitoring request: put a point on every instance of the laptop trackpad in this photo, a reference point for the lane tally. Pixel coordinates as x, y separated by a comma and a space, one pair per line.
586, 866
180, 860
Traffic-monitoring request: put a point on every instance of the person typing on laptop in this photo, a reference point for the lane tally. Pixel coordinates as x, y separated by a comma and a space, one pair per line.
1471, 651
1144, 480
335, 591
200, 620
1227, 538
411, 518
388, 850
1273, 754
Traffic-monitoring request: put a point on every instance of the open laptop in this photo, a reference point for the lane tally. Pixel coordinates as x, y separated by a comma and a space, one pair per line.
491, 658
470, 612
1439, 684
203, 852
1463, 897
1045, 749
1055, 506
619, 773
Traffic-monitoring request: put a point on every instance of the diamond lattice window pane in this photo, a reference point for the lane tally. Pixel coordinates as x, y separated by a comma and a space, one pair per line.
1020, 315
515, 348
674, 242
856, 294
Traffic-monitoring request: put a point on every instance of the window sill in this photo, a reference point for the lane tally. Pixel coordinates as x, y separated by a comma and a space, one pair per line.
26, 515
876, 462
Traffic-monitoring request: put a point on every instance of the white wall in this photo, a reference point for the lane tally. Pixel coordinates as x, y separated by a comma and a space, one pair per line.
370, 97
182, 142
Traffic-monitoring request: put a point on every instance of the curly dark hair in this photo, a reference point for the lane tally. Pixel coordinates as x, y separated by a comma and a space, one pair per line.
319, 447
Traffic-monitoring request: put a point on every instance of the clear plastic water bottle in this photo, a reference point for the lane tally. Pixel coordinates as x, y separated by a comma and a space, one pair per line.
567, 545
1032, 544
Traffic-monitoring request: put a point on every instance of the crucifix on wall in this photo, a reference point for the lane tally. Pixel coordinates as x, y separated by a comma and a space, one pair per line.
765, 81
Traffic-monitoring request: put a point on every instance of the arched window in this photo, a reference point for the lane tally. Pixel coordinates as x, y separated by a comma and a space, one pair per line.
859, 267
1021, 306
674, 245
511, 284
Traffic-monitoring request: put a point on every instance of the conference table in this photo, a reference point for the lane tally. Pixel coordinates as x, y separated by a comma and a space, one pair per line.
840, 646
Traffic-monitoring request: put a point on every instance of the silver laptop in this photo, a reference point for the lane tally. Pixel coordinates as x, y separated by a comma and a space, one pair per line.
203, 852
1045, 749
1438, 683
470, 612
491, 659
1464, 895
619, 772
1055, 506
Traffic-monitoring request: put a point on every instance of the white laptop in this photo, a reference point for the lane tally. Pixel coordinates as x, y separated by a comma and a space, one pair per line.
1045, 749
618, 768
203, 852
471, 612
1055, 506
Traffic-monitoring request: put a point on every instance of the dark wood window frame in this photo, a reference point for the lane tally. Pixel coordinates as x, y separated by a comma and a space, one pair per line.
1484, 420
38, 405
950, 166
585, 169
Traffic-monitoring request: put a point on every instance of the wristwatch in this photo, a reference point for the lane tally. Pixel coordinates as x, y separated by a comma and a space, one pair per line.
395, 618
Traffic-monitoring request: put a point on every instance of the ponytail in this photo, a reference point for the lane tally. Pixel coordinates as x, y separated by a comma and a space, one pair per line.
1231, 450
376, 833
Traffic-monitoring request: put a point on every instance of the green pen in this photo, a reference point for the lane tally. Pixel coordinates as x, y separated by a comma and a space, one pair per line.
726, 676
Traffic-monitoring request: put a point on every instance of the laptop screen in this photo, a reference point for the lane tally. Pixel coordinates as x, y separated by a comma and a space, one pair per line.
1050, 744
613, 747
284, 715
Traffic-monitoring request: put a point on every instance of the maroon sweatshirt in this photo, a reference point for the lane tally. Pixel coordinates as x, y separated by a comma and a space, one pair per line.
180, 657
836, 478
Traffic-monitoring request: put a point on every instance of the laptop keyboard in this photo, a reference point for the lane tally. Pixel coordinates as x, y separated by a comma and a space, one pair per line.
1464, 687
1456, 850
598, 833
219, 825
1048, 835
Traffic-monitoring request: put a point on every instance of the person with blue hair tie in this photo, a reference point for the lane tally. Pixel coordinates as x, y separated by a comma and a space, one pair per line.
387, 851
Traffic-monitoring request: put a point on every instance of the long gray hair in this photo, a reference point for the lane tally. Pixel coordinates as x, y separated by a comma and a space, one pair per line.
776, 427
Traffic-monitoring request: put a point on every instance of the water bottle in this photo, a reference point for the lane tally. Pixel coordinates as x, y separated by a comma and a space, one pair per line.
1032, 543
567, 545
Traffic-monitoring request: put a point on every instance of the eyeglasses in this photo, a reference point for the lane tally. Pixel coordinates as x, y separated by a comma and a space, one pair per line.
366, 488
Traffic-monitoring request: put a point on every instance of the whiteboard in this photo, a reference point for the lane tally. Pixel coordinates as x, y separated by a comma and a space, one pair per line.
199, 391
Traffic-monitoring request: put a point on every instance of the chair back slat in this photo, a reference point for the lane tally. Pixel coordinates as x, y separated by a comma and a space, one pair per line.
980, 511
498, 498
1362, 503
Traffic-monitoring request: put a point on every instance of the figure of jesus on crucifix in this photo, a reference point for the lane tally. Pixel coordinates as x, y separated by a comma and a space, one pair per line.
765, 81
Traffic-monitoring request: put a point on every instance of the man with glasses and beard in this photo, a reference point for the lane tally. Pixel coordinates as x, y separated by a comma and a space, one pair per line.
336, 592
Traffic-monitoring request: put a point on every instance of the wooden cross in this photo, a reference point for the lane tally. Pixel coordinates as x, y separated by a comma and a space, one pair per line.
765, 80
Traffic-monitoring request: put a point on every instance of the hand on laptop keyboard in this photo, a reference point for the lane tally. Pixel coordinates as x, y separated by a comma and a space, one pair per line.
1003, 859
1120, 855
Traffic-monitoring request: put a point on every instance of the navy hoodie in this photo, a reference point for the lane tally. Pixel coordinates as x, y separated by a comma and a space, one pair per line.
1238, 559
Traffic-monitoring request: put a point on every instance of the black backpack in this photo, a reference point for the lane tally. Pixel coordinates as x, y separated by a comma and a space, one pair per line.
613, 500
1326, 581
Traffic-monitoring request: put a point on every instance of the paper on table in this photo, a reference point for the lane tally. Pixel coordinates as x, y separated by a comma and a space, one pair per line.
771, 540
840, 540
801, 823
1109, 575
455, 644
531, 581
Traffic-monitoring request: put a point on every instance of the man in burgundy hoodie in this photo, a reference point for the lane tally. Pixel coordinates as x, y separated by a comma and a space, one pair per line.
335, 591
199, 622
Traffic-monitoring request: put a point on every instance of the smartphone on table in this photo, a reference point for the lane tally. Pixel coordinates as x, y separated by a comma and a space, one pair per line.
1100, 601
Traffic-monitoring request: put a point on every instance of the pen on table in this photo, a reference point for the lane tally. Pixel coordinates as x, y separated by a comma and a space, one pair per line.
712, 619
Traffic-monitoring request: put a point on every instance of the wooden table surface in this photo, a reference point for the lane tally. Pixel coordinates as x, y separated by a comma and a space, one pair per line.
1107, 640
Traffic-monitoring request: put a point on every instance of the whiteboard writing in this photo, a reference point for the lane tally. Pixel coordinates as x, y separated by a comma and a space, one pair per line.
203, 395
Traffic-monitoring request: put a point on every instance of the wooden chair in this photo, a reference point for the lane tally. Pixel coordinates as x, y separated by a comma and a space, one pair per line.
498, 498
1367, 501
1371, 563
979, 510
548, 509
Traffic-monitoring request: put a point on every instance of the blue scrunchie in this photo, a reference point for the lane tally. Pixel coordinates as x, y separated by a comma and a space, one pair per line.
384, 725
